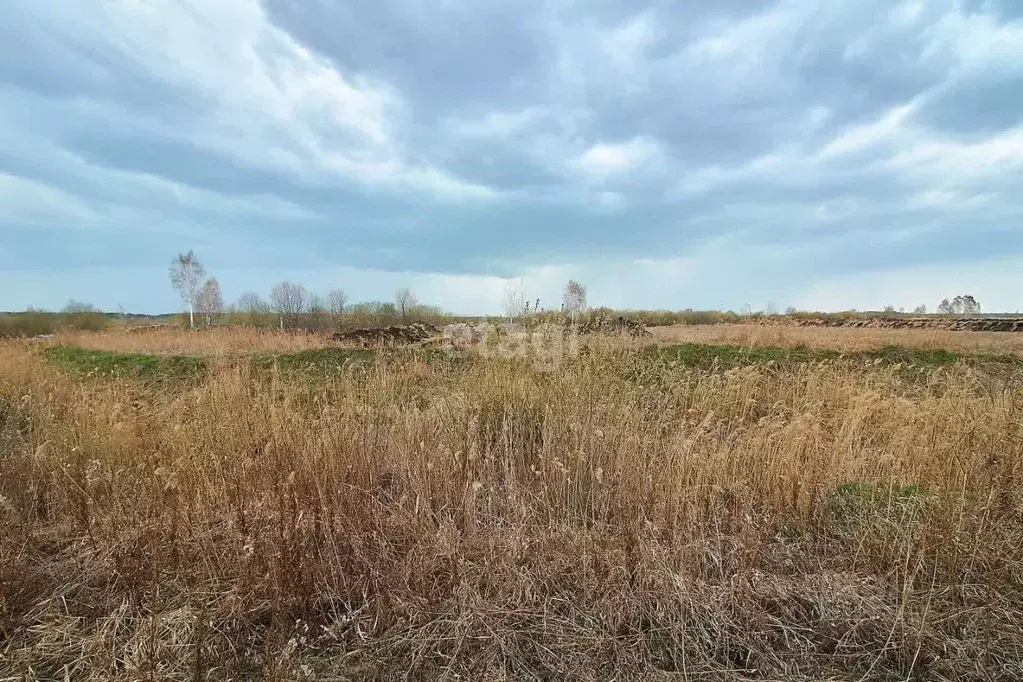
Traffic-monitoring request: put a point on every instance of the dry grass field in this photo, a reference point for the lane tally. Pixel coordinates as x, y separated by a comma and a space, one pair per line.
234, 341
838, 338
227, 341
758, 511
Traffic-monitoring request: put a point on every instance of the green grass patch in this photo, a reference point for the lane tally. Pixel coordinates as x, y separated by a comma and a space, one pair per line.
853, 500
327, 360
921, 357
707, 356
108, 364
153, 367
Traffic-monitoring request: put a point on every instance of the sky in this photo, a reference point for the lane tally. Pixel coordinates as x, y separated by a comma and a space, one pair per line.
820, 155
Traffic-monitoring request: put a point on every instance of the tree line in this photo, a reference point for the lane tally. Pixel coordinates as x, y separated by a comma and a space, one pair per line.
293, 305
288, 306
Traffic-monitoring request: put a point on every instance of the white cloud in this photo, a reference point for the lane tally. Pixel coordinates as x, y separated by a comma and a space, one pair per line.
628, 43
838, 209
111, 198
862, 137
608, 159
616, 283
611, 202
948, 200
495, 124
697, 181
749, 38
977, 41
993, 156
265, 99
26, 201
586, 53
906, 14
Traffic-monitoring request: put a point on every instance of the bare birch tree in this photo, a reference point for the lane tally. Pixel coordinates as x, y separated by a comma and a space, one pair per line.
513, 300
209, 302
186, 272
574, 299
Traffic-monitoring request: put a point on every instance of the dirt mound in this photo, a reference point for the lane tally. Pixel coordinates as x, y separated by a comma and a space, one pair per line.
407, 334
614, 325
956, 324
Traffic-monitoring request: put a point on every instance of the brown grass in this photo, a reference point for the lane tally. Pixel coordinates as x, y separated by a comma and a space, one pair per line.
481, 520
787, 336
221, 341
233, 341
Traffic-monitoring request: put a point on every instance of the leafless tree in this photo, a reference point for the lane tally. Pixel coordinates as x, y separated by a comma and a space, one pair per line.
964, 304
255, 309
574, 299
404, 302
289, 301
186, 272
209, 302
73, 307
920, 310
337, 299
514, 301
81, 315
318, 312
250, 303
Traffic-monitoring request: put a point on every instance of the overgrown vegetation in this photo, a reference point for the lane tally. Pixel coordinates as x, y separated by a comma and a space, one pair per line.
707, 355
113, 365
652, 357
739, 513
39, 323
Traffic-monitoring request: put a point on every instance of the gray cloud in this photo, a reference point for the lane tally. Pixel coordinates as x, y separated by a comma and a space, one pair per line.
491, 139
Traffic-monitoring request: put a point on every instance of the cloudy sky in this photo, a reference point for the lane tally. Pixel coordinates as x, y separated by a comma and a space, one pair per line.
850, 153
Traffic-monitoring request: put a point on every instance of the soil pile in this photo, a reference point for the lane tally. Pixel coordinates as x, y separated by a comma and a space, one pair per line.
958, 324
407, 334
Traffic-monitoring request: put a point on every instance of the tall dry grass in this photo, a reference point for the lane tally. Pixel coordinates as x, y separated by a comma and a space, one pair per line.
839, 338
482, 520
217, 342
234, 341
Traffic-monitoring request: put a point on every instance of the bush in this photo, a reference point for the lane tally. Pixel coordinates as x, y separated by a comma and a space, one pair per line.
659, 318
82, 317
28, 323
